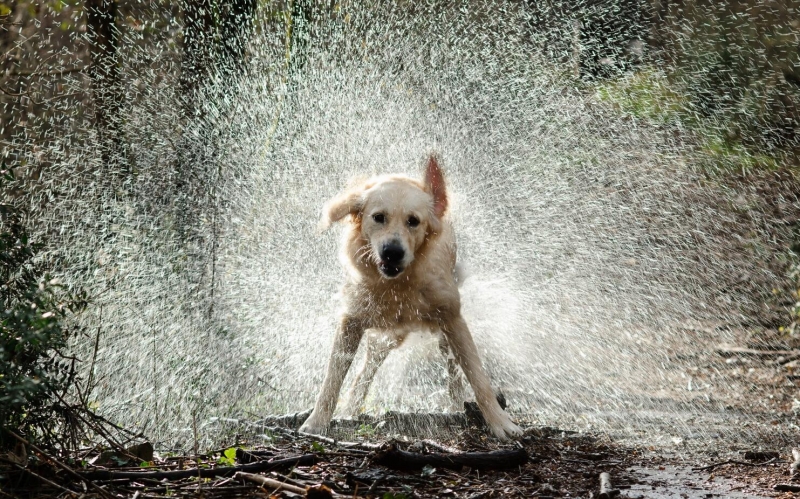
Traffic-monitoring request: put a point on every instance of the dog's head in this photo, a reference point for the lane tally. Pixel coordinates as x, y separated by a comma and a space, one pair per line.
394, 215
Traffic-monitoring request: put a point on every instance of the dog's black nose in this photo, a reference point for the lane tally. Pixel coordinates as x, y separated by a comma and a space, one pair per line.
392, 253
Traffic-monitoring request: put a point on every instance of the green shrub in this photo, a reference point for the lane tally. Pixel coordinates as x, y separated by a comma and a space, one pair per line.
33, 333
737, 62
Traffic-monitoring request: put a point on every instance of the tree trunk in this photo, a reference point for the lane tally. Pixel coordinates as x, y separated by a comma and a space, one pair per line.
235, 23
215, 33
104, 72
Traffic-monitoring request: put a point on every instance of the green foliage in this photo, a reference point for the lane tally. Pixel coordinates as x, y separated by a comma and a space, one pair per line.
228, 457
647, 95
268, 436
317, 447
728, 71
720, 155
32, 330
650, 96
428, 470
365, 430
720, 133
737, 62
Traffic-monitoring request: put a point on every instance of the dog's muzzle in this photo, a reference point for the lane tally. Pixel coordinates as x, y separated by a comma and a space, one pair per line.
391, 264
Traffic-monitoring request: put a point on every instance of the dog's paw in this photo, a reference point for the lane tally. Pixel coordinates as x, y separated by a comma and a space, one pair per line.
505, 429
312, 428
314, 425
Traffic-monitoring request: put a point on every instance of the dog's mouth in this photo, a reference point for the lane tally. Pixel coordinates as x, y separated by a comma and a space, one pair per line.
389, 270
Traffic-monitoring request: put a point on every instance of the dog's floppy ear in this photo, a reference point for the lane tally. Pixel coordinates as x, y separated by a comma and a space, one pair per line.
434, 184
348, 202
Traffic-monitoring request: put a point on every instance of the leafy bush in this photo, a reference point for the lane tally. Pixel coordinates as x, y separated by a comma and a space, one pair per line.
738, 63
33, 334
650, 95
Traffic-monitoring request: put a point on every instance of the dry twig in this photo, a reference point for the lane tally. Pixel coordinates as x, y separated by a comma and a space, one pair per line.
304, 460
606, 490
275, 485
732, 461
317, 491
103, 492
787, 487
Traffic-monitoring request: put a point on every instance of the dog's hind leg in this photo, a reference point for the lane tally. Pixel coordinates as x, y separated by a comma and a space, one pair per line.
455, 381
348, 336
378, 348
466, 353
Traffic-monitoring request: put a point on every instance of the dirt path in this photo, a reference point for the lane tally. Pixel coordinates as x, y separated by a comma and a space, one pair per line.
726, 430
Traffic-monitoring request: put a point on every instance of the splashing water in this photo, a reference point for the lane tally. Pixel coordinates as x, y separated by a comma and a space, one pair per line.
594, 247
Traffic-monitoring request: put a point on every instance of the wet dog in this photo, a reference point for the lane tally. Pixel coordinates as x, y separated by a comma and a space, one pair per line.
400, 254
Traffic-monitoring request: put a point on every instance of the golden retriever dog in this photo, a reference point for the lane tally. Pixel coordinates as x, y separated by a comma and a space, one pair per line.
400, 254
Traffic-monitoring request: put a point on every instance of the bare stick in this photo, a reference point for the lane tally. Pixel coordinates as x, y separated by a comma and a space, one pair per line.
45, 480
332, 441
96, 427
785, 360
269, 482
732, 461
103, 492
606, 490
787, 487
194, 433
311, 491
730, 351
304, 460
440, 447
90, 377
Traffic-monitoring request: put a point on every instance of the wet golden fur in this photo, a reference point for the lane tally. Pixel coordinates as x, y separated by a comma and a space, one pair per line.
390, 298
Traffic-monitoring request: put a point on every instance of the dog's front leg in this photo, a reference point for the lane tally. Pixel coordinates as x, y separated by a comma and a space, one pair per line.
466, 353
348, 336
455, 382
378, 348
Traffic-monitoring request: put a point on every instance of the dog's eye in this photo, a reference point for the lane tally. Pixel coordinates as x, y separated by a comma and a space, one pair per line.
379, 218
413, 221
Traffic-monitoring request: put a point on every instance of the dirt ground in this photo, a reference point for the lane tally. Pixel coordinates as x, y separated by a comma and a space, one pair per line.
747, 454
559, 464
